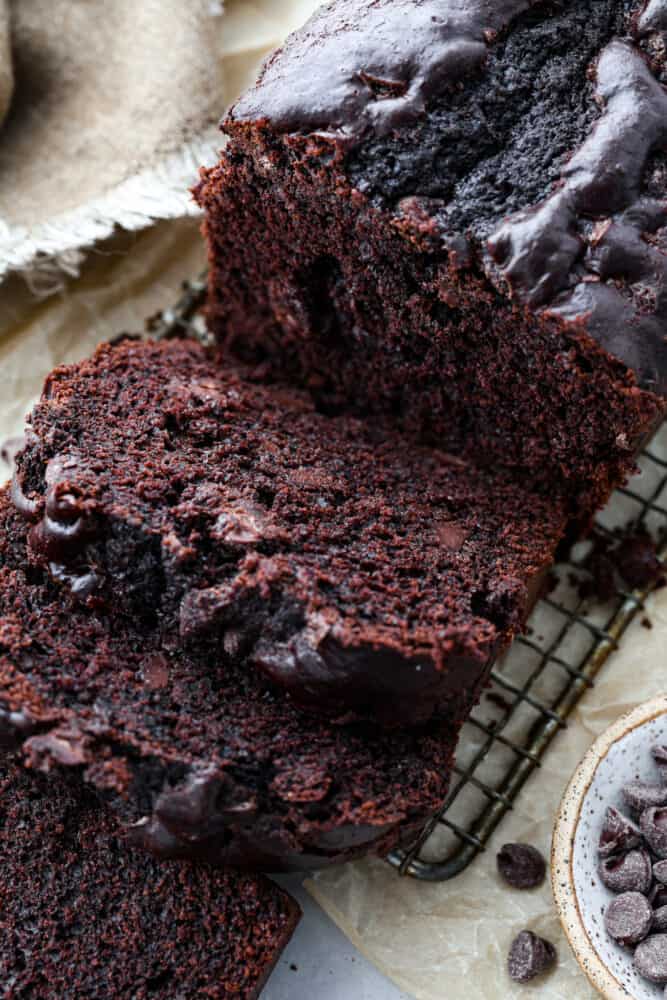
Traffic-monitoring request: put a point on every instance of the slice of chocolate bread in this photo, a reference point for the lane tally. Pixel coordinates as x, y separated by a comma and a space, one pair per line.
82, 915
457, 212
198, 761
369, 576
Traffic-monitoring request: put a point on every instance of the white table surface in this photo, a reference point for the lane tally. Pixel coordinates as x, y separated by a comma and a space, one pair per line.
328, 966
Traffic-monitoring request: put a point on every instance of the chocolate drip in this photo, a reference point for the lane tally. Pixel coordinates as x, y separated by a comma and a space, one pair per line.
612, 275
371, 65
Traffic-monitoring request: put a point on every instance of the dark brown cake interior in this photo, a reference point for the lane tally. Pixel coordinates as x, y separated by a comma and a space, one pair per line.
369, 576
204, 762
83, 915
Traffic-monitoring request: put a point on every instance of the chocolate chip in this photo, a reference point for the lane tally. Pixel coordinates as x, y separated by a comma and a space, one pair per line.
657, 897
637, 560
629, 872
618, 833
651, 958
660, 757
641, 795
659, 919
628, 918
521, 865
529, 956
660, 871
653, 825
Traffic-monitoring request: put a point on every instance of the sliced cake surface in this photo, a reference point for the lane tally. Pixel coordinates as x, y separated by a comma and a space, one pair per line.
457, 212
83, 916
369, 576
198, 761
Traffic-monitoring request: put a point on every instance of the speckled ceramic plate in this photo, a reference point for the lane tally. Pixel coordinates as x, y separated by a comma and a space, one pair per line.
621, 754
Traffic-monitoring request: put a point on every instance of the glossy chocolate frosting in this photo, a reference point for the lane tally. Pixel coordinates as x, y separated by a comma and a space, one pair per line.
612, 273
360, 64
594, 252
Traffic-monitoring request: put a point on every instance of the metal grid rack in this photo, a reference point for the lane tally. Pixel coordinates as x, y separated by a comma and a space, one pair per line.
536, 685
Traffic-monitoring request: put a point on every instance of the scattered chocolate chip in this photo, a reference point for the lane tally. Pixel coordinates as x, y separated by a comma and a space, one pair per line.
629, 872
659, 754
659, 919
646, 623
529, 956
637, 560
653, 823
521, 865
628, 918
651, 958
618, 833
660, 871
641, 795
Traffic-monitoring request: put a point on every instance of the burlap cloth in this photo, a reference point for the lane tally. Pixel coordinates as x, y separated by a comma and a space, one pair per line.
436, 941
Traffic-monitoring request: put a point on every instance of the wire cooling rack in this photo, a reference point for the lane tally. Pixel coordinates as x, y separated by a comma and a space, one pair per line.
537, 684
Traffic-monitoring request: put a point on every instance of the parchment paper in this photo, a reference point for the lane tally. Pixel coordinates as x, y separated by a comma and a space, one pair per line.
436, 941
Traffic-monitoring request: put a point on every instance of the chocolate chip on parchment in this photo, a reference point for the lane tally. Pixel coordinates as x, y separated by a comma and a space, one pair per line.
651, 958
629, 872
529, 956
618, 833
628, 918
521, 865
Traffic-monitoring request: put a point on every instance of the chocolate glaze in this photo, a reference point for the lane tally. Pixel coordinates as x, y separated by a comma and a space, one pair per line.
361, 65
611, 276
315, 669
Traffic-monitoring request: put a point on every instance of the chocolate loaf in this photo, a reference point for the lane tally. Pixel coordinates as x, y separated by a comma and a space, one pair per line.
457, 213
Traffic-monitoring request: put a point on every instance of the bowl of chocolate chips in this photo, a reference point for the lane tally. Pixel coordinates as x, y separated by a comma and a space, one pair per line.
609, 857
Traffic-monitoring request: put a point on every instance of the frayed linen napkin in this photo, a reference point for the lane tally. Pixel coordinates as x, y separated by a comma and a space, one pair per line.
114, 108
